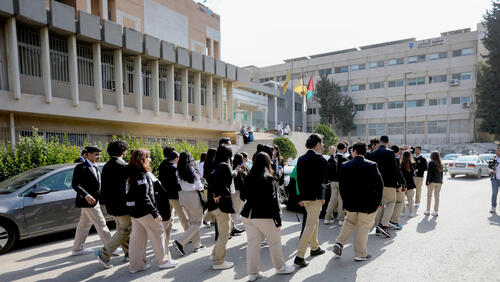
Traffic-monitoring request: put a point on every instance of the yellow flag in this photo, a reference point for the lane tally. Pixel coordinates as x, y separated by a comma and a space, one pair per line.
287, 80
300, 88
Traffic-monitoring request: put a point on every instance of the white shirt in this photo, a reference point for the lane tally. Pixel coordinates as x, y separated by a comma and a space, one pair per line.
186, 186
200, 168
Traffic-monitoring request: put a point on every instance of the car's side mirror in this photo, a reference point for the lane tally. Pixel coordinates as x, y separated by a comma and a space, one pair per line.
39, 190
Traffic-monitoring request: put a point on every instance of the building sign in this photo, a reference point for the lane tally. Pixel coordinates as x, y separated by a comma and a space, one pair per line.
430, 42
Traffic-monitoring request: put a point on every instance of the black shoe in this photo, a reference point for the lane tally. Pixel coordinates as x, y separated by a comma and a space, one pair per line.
377, 232
236, 232
300, 262
337, 249
179, 247
384, 230
317, 252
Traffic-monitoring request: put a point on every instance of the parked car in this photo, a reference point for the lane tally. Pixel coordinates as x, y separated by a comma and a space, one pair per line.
487, 157
448, 158
427, 156
37, 202
469, 166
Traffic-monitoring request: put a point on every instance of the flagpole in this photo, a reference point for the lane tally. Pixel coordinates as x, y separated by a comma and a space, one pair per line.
293, 102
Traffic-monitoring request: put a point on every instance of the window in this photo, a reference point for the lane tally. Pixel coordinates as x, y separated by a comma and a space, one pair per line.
438, 56
416, 103
376, 129
344, 89
394, 62
59, 181
460, 100
162, 77
374, 65
358, 67
376, 106
59, 59
358, 130
416, 81
28, 43
311, 111
459, 126
298, 107
85, 65
415, 127
416, 59
265, 79
437, 102
191, 90
462, 52
341, 69
462, 76
281, 103
358, 87
360, 107
108, 70
203, 88
177, 87
395, 128
376, 85
395, 105
396, 83
129, 75
295, 75
436, 126
438, 78
146, 80
324, 72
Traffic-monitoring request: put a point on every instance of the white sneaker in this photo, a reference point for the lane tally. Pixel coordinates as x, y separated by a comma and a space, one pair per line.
329, 221
427, 212
83, 251
413, 214
253, 277
435, 213
118, 251
169, 264
224, 265
146, 267
211, 257
341, 222
493, 210
285, 269
417, 204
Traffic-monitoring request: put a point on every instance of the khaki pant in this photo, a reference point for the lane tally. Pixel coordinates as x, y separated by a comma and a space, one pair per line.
388, 203
190, 202
360, 223
335, 203
257, 229
410, 194
238, 205
418, 190
144, 228
120, 238
181, 214
224, 226
400, 206
167, 225
208, 217
436, 188
89, 217
310, 234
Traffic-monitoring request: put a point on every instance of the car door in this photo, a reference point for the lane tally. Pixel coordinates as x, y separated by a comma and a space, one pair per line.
55, 210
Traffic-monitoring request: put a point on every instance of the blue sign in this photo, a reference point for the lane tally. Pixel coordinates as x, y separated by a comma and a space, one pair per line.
411, 45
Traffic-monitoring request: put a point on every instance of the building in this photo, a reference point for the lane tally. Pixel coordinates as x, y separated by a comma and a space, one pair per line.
430, 84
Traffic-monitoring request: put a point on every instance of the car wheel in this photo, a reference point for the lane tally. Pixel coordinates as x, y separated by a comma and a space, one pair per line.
452, 175
478, 175
8, 236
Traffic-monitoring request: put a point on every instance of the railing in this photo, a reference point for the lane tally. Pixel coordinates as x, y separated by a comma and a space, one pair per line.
85, 65
29, 52
59, 59
108, 70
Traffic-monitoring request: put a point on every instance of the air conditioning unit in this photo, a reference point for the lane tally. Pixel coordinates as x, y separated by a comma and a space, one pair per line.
455, 82
467, 104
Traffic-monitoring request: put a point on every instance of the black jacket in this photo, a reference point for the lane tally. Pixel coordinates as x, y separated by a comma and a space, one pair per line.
140, 199
219, 184
421, 166
312, 173
433, 174
85, 183
80, 160
408, 176
340, 159
402, 180
168, 178
360, 185
113, 190
239, 180
386, 162
161, 198
261, 199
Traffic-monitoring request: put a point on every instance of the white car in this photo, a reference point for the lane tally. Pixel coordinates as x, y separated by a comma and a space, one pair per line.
290, 166
470, 166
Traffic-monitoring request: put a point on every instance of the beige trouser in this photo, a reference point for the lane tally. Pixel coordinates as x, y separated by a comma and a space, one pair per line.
360, 223
167, 225
436, 187
181, 214
238, 205
208, 217
400, 206
89, 217
418, 190
335, 203
224, 227
410, 194
190, 201
257, 229
388, 203
310, 234
120, 238
144, 228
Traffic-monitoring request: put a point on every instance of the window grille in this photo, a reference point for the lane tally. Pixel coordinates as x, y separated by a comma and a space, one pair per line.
146, 79
85, 65
108, 70
29, 52
59, 59
162, 73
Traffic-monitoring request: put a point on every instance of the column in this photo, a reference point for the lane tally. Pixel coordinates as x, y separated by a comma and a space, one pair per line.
155, 87
275, 102
210, 98
211, 48
12, 131
118, 60
250, 115
220, 108
103, 9
229, 101
304, 114
138, 82
293, 112
171, 90
265, 118
13, 58
97, 70
45, 54
73, 69
184, 92
197, 95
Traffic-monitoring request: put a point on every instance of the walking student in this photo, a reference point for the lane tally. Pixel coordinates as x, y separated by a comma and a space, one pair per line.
87, 184
239, 182
434, 181
494, 165
421, 164
361, 187
400, 194
335, 198
408, 170
262, 219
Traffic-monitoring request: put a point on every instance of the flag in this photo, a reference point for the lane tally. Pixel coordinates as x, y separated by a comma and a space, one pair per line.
300, 88
287, 80
310, 87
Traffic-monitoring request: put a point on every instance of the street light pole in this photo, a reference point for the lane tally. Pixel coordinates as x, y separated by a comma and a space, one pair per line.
405, 106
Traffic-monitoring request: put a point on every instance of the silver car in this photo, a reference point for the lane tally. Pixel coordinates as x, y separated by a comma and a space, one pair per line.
37, 202
468, 165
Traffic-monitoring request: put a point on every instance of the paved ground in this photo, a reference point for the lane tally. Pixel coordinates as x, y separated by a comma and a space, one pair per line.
462, 244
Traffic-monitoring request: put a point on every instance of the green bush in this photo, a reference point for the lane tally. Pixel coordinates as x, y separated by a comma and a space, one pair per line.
329, 136
287, 149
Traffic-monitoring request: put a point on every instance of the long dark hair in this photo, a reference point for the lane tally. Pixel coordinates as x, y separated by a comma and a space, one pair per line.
261, 166
237, 160
437, 160
278, 154
407, 161
223, 155
185, 167
268, 149
209, 162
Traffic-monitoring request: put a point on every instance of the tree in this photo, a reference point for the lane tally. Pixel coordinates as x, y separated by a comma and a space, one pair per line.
287, 149
329, 136
336, 109
488, 99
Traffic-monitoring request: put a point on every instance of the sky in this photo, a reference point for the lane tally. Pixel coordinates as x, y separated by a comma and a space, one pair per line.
266, 32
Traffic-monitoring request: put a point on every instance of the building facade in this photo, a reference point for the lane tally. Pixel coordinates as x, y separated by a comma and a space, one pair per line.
424, 88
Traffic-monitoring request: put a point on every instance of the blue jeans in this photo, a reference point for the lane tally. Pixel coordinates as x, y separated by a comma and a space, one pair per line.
494, 187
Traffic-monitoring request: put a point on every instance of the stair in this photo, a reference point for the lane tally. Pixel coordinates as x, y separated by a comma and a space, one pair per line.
259, 138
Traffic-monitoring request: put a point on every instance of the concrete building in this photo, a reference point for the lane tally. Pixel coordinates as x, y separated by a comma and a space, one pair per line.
425, 88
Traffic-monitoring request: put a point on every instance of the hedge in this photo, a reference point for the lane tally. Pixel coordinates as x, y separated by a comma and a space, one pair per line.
287, 149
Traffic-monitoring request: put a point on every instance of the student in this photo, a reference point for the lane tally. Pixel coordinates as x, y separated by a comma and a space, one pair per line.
408, 170
208, 165
82, 157
239, 182
199, 168
336, 204
434, 182
419, 177
400, 195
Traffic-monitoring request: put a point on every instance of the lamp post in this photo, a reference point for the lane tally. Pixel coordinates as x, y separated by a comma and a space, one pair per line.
405, 106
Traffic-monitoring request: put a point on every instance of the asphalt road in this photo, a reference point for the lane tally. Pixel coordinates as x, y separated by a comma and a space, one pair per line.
462, 244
